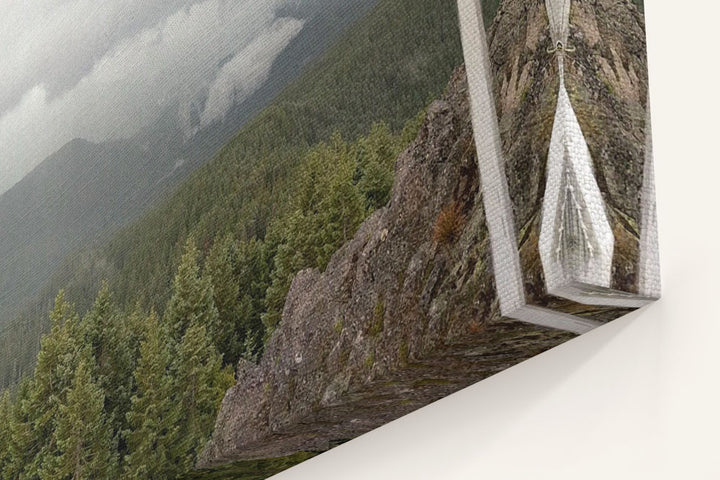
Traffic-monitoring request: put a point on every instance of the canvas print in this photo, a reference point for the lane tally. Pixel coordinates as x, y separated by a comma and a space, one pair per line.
234, 235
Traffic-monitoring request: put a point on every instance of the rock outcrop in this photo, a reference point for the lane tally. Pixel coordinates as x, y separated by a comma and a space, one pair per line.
400, 317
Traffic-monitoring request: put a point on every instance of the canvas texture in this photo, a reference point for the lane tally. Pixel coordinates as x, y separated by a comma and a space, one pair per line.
235, 236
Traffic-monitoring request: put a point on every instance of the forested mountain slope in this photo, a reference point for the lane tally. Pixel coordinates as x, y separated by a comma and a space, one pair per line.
85, 191
130, 388
133, 394
385, 68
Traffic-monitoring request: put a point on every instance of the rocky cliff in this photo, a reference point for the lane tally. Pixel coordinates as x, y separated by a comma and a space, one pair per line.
404, 314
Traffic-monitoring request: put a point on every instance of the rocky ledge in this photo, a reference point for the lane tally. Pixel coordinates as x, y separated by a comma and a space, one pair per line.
404, 314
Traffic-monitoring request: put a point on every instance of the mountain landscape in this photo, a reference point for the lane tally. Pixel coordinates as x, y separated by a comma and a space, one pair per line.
227, 295
152, 321
85, 191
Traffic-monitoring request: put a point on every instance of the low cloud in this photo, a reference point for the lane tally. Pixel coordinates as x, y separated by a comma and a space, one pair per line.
249, 69
56, 43
181, 57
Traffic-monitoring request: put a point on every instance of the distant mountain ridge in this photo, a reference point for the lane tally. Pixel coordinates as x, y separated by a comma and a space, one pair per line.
69, 198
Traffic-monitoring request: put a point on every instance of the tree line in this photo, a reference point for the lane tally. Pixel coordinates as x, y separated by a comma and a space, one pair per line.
131, 393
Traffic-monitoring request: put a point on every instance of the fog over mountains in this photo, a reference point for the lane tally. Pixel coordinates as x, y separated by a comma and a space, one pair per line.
106, 70
131, 99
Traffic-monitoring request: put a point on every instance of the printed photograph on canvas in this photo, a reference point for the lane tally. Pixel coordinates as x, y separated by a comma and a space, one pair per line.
235, 235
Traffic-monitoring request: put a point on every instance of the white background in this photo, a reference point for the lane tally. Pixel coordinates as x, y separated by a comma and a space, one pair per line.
639, 398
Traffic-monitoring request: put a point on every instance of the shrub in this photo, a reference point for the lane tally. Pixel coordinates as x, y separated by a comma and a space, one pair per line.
449, 224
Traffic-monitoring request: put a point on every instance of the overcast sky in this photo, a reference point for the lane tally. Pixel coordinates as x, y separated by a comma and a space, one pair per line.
105, 69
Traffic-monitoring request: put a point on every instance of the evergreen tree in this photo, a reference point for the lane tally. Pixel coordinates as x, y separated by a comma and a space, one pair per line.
57, 361
100, 320
108, 336
6, 419
327, 209
220, 269
375, 185
152, 422
342, 212
84, 434
20, 446
200, 384
255, 260
376, 157
192, 298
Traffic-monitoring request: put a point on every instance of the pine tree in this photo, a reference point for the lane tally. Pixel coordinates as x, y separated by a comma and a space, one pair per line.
84, 434
375, 162
109, 338
220, 269
255, 260
57, 361
240, 276
375, 185
21, 451
99, 320
343, 210
152, 421
327, 209
200, 384
192, 298
6, 419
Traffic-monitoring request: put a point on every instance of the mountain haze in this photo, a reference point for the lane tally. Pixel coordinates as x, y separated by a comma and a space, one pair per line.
86, 190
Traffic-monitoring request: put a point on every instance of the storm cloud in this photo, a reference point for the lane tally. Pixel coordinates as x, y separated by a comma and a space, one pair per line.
104, 70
